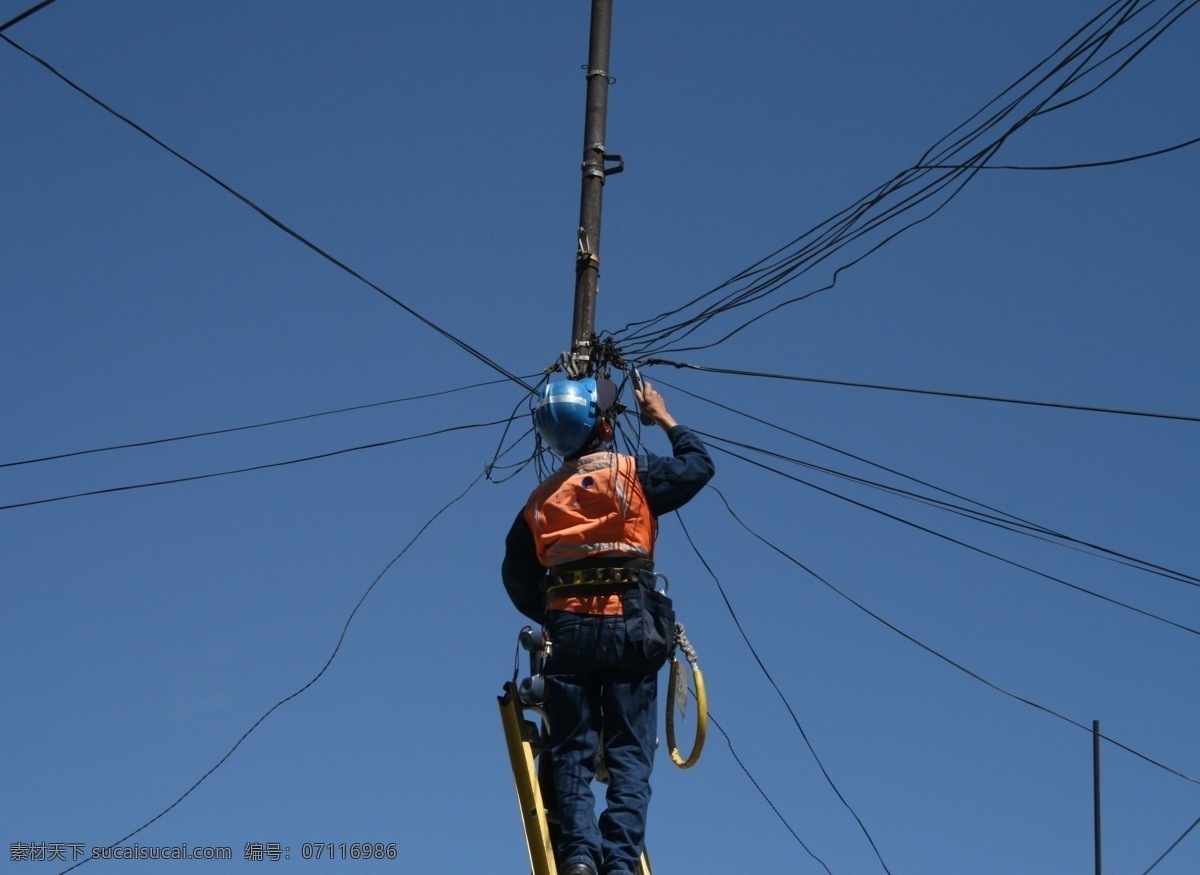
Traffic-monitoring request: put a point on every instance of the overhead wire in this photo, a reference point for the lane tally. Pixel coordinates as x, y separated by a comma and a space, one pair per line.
1147, 37
28, 12
337, 647
1079, 166
345, 268
828, 237
941, 535
1174, 845
782, 273
783, 698
776, 276
989, 514
914, 391
502, 451
737, 759
514, 468
1102, 24
257, 425
1076, 58
195, 477
994, 686
1025, 530
854, 456
939, 655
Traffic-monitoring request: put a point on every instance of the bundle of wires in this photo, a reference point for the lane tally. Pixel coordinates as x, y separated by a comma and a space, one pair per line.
1079, 67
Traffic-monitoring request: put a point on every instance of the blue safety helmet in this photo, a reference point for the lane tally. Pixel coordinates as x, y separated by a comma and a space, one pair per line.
568, 411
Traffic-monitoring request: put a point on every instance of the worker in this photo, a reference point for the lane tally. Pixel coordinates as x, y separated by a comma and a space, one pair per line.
580, 560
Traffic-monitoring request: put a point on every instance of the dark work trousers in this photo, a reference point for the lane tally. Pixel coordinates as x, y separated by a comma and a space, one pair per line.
594, 685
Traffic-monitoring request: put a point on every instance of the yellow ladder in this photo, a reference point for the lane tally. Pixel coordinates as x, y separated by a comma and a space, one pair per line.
520, 734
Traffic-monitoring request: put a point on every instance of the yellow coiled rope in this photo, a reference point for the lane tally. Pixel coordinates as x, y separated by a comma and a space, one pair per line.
701, 702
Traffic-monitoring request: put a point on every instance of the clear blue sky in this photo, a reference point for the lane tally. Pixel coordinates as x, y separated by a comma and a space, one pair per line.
434, 147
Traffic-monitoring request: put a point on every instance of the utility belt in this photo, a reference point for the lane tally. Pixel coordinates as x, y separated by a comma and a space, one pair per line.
649, 615
597, 580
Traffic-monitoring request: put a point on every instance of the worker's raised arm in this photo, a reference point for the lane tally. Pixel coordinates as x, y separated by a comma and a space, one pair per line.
653, 407
671, 481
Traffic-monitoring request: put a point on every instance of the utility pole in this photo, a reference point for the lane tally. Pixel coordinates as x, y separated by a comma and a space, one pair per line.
1096, 791
595, 169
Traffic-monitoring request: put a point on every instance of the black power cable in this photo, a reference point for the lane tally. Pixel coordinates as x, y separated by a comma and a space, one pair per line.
337, 647
28, 12
989, 515
237, 428
264, 467
909, 390
462, 344
1174, 845
788, 705
931, 183
737, 759
1108, 163
930, 650
942, 536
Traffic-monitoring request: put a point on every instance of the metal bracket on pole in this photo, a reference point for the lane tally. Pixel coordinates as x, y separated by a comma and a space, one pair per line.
577, 362
596, 165
584, 255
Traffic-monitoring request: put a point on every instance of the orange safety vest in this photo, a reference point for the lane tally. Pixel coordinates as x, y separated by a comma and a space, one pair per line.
592, 507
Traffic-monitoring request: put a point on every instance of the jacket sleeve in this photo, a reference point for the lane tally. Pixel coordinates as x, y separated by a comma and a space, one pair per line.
522, 573
670, 483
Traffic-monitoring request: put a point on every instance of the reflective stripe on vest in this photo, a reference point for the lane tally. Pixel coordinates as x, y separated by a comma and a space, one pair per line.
592, 507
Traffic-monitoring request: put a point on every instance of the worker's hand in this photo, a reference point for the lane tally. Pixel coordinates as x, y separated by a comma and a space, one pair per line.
652, 406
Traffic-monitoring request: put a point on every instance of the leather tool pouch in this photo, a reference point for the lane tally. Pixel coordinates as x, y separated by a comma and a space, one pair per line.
649, 626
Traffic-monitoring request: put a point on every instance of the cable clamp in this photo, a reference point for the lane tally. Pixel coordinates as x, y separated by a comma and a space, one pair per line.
584, 257
578, 361
599, 167
612, 80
